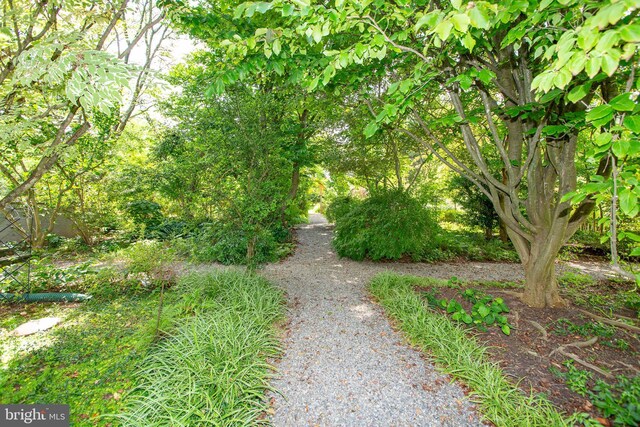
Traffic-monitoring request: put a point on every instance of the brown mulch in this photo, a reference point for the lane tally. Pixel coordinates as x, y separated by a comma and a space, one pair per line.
526, 356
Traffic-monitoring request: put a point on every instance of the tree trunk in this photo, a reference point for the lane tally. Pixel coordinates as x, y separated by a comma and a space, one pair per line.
488, 233
504, 237
251, 249
542, 287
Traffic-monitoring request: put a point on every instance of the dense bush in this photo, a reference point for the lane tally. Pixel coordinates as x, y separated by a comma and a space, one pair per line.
339, 207
387, 225
222, 243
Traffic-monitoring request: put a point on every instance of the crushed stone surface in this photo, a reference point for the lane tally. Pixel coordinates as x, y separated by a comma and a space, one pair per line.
343, 364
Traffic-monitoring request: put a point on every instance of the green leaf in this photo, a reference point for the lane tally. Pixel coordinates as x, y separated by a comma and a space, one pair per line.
486, 76
278, 67
633, 236
479, 18
452, 306
592, 67
630, 33
603, 139
544, 4
567, 196
467, 319
628, 202
506, 329
429, 20
578, 92
465, 81
623, 102
406, 85
313, 84
632, 123
371, 129
328, 73
468, 41
609, 64
443, 29
600, 115
276, 47
316, 33
461, 22
490, 319
287, 9
621, 147
483, 310
237, 14
263, 7
635, 252
550, 96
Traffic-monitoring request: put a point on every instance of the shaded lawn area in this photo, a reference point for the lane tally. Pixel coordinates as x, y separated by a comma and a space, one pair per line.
87, 361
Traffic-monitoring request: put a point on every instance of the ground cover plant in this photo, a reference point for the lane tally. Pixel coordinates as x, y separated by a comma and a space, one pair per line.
92, 361
213, 368
542, 349
88, 362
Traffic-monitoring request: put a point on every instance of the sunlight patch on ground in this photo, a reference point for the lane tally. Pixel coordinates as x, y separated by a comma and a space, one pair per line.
598, 270
12, 347
362, 311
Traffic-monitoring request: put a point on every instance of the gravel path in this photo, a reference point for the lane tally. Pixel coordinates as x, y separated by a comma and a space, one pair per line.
343, 363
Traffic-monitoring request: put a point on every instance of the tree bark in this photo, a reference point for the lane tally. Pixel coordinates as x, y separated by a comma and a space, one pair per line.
541, 288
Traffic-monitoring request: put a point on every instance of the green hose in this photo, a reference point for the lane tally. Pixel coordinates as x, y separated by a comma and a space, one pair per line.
45, 297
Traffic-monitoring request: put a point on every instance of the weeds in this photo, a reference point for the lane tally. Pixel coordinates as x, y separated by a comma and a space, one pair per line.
619, 401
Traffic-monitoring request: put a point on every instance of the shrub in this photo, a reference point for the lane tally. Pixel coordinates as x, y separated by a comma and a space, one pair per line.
387, 225
340, 207
145, 212
227, 245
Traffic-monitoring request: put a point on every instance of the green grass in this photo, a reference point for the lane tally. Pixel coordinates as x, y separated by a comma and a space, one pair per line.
209, 368
88, 361
461, 356
213, 368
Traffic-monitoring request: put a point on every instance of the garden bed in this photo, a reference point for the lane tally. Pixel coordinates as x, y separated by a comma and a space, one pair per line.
549, 350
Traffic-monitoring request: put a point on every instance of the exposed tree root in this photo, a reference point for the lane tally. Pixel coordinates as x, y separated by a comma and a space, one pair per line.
585, 364
611, 321
513, 293
581, 344
540, 328
631, 367
577, 344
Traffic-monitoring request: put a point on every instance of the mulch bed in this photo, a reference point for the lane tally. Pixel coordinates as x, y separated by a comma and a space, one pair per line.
526, 354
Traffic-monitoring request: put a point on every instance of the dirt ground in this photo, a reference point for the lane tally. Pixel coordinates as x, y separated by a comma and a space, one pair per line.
534, 349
